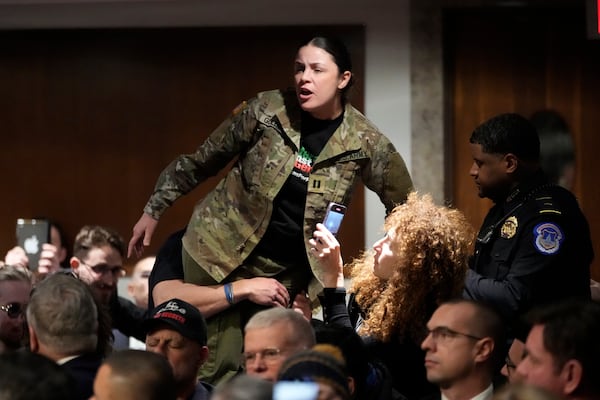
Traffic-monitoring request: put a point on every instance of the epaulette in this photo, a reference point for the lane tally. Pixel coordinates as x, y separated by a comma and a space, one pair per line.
239, 108
546, 205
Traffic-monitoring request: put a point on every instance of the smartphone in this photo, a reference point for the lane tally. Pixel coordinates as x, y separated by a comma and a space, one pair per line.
31, 234
334, 216
295, 390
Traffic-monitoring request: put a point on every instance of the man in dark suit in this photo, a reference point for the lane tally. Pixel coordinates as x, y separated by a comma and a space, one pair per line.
63, 326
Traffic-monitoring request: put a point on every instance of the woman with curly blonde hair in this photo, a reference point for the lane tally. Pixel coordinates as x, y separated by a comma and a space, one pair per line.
420, 262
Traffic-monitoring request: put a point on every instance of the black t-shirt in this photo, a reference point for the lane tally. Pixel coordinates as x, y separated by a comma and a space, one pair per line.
168, 264
283, 241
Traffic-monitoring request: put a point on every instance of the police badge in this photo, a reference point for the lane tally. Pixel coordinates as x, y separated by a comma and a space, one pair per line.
509, 228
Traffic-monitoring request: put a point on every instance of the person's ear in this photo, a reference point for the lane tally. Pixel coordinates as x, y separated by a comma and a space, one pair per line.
571, 375
484, 349
75, 263
34, 345
344, 79
512, 162
203, 354
351, 385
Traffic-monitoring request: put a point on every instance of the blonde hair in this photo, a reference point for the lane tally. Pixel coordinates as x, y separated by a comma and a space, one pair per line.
431, 245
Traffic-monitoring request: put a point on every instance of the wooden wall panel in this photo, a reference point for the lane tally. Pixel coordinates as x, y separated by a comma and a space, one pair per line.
88, 118
523, 60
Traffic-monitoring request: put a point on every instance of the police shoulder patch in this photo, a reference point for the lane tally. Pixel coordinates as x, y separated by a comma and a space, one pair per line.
547, 237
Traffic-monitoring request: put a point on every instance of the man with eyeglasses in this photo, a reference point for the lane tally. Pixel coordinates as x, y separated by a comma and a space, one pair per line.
515, 352
512, 360
15, 287
463, 348
97, 260
270, 337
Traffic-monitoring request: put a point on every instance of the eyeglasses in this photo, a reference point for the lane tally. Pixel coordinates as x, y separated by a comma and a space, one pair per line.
13, 310
442, 333
103, 269
269, 356
510, 365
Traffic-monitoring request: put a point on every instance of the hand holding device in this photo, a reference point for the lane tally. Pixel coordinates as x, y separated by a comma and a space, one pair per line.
31, 235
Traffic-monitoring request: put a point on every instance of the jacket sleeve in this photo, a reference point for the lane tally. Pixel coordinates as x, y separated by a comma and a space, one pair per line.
127, 317
335, 312
520, 278
189, 170
386, 174
505, 295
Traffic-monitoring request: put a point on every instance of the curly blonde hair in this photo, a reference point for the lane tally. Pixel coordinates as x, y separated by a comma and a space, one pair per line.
431, 245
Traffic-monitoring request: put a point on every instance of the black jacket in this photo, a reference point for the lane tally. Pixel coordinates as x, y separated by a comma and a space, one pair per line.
83, 369
532, 249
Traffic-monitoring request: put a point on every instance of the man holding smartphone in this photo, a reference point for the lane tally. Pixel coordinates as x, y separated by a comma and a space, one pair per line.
48, 248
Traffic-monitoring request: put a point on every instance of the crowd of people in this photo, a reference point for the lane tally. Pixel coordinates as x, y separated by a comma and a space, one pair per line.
228, 308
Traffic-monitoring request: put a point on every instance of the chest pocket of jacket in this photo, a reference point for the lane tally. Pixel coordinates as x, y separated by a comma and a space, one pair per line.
261, 163
341, 179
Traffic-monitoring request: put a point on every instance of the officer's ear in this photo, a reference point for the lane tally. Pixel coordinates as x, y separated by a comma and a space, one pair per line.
511, 162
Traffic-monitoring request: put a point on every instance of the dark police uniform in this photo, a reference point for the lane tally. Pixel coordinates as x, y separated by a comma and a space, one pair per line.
532, 249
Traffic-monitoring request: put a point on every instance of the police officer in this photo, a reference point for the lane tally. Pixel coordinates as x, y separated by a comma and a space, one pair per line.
534, 245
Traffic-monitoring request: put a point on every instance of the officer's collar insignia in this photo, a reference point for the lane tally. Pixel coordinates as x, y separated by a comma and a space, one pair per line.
547, 238
509, 228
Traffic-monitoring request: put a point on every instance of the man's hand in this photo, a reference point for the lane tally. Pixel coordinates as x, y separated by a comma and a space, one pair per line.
17, 257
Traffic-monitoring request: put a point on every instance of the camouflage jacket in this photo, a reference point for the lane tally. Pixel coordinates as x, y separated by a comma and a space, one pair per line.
265, 133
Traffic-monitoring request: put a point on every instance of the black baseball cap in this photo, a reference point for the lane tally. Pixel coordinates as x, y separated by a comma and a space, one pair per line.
182, 317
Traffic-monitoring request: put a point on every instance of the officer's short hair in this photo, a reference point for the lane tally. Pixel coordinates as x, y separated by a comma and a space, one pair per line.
508, 133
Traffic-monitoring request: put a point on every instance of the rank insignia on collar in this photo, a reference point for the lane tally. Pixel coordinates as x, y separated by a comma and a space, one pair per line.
509, 228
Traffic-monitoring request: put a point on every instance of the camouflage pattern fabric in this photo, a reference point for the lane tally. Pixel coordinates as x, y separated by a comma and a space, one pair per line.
265, 133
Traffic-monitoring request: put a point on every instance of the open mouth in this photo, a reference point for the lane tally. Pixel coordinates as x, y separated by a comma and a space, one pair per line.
304, 94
